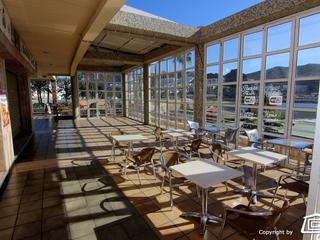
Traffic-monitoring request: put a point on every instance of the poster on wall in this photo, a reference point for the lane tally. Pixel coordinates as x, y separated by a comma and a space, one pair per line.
4, 109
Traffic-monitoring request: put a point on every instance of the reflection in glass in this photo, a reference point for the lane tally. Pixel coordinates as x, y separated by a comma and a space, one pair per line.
308, 62
306, 94
251, 69
249, 118
250, 94
275, 94
190, 59
252, 44
279, 37
179, 62
211, 114
274, 121
229, 93
213, 53
277, 66
212, 74
231, 49
304, 124
230, 71
212, 94
228, 117
307, 33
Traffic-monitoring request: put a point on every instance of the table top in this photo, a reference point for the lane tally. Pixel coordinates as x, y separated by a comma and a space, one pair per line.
215, 129
177, 132
206, 173
298, 144
259, 156
129, 137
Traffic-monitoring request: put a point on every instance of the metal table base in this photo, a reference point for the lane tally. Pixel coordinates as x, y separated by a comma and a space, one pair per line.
204, 216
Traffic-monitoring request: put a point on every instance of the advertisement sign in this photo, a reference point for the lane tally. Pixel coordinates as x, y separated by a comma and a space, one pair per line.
4, 109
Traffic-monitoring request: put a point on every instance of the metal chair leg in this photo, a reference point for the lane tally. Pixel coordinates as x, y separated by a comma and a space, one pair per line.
170, 187
138, 172
154, 169
162, 185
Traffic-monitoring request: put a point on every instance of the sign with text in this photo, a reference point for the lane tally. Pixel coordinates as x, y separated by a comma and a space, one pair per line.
4, 109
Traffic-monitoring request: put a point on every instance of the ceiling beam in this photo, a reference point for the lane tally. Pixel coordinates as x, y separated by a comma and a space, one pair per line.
147, 36
114, 57
104, 13
83, 67
161, 52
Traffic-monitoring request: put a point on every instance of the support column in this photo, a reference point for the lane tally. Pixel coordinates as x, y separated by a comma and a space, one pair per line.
54, 97
124, 96
199, 84
25, 103
75, 97
146, 93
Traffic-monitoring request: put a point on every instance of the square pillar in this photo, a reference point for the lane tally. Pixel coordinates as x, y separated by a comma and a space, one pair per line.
124, 95
75, 97
146, 93
25, 102
199, 84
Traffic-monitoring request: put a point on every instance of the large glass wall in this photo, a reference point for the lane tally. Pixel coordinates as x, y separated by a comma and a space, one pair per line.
171, 90
100, 94
266, 77
134, 94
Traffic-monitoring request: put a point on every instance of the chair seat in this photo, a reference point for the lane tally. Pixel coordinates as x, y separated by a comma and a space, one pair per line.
296, 186
307, 151
121, 145
250, 225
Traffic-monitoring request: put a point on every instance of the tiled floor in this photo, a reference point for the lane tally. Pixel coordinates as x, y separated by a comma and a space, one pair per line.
55, 192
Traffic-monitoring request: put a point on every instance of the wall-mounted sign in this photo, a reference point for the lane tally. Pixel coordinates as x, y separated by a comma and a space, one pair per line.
275, 100
4, 109
249, 100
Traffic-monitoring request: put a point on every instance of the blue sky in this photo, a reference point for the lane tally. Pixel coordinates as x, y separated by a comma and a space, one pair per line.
192, 12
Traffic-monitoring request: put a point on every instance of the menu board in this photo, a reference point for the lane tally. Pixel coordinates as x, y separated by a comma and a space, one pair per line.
4, 109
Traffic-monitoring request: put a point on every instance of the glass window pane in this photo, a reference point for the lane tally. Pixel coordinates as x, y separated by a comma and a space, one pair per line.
229, 93
249, 118
252, 44
180, 94
171, 64
306, 94
277, 66
273, 121
307, 33
179, 62
251, 69
163, 66
308, 62
231, 49
304, 124
213, 52
230, 72
190, 59
190, 84
212, 74
279, 37
212, 94
275, 94
250, 94
228, 117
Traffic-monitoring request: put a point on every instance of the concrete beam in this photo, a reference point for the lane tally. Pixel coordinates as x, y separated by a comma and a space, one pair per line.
104, 13
114, 57
82, 67
264, 12
162, 52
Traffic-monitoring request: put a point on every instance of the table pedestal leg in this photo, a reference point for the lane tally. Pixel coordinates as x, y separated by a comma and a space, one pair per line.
204, 215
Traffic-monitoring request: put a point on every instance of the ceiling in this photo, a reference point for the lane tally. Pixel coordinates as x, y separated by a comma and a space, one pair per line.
53, 29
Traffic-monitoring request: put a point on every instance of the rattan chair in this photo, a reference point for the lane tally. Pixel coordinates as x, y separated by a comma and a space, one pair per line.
250, 221
191, 149
163, 140
168, 159
294, 183
141, 160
